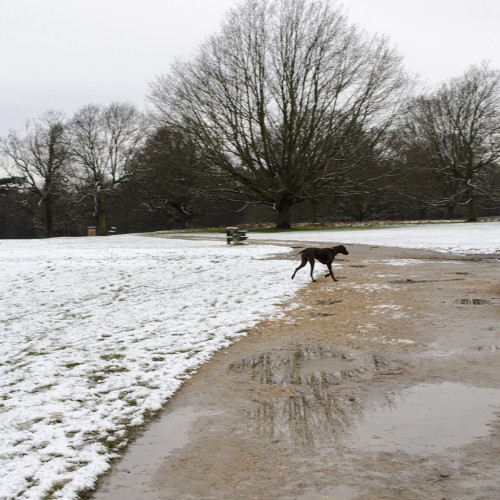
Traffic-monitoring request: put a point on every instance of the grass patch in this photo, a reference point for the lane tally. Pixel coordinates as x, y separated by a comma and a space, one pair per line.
111, 357
115, 369
42, 388
271, 229
59, 485
96, 379
71, 365
307, 228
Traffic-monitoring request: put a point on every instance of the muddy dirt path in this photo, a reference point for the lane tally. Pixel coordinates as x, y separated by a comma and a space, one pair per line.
384, 385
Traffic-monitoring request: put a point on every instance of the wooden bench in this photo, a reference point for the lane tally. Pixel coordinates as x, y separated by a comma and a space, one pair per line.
235, 235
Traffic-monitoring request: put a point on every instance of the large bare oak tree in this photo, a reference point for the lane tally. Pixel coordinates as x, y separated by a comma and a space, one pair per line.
273, 100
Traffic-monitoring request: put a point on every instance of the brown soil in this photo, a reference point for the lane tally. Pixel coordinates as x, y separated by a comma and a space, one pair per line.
384, 385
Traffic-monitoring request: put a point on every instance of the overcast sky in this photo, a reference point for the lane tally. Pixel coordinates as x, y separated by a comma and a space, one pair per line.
63, 54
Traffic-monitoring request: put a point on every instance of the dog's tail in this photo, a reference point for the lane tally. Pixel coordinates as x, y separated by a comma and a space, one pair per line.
302, 251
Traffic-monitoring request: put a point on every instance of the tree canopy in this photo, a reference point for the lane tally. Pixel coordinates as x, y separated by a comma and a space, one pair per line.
274, 99
106, 141
40, 158
454, 133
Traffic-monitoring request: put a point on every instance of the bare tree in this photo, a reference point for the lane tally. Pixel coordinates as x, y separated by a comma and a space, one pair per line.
272, 100
105, 142
454, 133
40, 157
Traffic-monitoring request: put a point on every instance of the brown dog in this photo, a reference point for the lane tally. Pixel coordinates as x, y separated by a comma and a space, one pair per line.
323, 255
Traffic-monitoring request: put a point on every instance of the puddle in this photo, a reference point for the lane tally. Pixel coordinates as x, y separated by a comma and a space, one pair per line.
412, 281
306, 407
305, 418
429, 419
133, 476
311, 405
331, 365
488, 348
473, 302
298, 367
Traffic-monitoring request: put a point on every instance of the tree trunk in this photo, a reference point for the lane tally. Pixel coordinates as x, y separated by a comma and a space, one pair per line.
184, 220
184, 217
450, 212
284, 216
314, 210
49, 217
471, 210
101, 213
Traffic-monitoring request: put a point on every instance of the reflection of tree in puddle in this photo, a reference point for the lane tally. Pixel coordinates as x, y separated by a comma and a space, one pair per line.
473, 302
304, 418
307, 406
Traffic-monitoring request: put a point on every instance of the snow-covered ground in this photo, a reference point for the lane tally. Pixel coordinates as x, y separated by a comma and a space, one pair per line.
455, 237
97, 333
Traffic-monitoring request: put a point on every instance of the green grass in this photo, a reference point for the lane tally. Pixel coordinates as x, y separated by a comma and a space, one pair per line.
111, 357
303, 229
297, 228
270, 228
71, 365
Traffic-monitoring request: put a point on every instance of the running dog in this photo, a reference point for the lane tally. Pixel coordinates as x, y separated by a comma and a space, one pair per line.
323, 255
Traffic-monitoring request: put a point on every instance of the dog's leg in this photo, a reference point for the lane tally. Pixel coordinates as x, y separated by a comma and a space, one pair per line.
311, 262
329, 265
302, 264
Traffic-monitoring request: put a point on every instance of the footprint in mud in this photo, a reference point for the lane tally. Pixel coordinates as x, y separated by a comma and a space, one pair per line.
328, 302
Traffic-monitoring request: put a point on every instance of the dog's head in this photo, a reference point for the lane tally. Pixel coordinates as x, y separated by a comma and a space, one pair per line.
340, 249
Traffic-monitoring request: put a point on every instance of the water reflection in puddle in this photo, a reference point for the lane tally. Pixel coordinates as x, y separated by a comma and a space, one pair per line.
306, 405
133, 476
298, 366
474, 302
310, 402
429, 418
304, 418
331, 365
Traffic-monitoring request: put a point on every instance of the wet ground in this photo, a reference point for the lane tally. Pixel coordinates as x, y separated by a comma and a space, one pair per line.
384, 385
